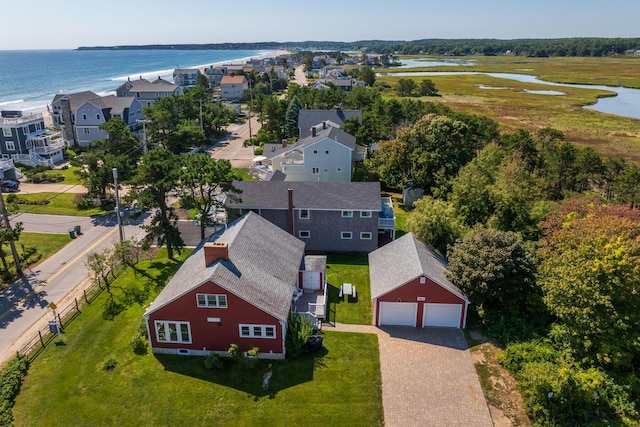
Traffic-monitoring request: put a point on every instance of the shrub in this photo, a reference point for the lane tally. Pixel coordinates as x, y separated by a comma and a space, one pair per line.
138, 345
235, 352
516, 355
252, 357
213, 361
12, 198
109, 363
142, 328
46, 176
11, 378
258, 151
298, 332
83, 201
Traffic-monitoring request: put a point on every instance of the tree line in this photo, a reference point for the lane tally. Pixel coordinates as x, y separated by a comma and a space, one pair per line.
575, 46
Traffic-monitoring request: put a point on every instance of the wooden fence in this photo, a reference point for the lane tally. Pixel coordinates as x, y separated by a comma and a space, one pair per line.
64, 316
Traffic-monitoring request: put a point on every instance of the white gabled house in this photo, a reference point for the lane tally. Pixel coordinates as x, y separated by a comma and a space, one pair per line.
327, 155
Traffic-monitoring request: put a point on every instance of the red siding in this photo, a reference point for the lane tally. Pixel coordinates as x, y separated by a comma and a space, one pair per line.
432, 293
216, 336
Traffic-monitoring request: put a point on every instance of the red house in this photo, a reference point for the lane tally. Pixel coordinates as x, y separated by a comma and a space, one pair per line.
409, 287
236, 287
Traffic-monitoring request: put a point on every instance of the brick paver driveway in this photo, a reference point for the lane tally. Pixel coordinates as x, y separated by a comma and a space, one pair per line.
428, 378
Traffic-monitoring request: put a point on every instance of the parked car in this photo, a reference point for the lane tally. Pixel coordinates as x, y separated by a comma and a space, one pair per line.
9, 186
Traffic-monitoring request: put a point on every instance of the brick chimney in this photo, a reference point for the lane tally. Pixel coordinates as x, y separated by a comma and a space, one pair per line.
284, 143
324, 124
214, 251
313, 131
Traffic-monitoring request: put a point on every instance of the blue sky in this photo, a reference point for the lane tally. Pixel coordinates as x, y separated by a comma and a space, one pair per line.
65, 24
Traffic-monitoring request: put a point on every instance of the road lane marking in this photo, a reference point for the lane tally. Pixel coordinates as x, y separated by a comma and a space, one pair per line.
57, 273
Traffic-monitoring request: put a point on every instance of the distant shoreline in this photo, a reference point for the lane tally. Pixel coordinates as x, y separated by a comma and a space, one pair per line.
216, 46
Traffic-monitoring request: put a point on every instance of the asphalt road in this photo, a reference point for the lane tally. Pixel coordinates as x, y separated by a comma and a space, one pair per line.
26, 302
233, 148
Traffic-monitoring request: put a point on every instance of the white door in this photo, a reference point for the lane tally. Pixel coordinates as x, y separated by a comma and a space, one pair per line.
398, 313
442, 315
311, 280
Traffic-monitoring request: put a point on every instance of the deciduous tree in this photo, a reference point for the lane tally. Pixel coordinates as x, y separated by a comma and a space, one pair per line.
590, 273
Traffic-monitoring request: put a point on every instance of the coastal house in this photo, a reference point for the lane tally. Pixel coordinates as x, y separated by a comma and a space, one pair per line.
237, 287
186, 77
79, 115
409, 287
25, 139
147, 92
231, 87
309, 118
327, 216
328, 154
215, 75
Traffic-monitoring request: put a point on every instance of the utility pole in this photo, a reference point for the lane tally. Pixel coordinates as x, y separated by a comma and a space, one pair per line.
201, 125
144, 134
250, 102
12, 244
118, 213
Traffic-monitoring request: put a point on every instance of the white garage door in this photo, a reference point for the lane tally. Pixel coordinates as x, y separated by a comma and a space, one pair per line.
398, 313
442, 315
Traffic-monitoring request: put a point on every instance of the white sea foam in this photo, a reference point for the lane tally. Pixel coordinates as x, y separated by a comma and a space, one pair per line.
17, 101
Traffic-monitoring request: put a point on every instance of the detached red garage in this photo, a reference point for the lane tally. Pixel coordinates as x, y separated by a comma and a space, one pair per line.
409, 287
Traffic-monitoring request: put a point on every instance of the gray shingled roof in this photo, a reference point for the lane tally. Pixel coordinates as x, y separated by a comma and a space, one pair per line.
341, 137
401, 261
117, 104
315, 263
144, 85
262, 268
307, 195
308, 118
78, 98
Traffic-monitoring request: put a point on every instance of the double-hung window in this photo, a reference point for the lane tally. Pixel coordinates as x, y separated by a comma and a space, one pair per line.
211, 300
257, 331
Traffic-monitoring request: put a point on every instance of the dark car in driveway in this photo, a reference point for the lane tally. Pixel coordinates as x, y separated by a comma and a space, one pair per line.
9, 186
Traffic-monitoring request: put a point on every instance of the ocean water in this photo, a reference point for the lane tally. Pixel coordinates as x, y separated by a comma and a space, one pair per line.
29, 79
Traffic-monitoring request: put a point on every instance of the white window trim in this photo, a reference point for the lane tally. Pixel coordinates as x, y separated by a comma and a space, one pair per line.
423, 280
307, 232
10, 145
216, 297
303, 217
6, 131
166, 324
342, 235
263, 329
347, 214
362, 233
365, 214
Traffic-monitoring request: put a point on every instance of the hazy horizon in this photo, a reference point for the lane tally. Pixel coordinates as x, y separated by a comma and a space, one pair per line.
73, 24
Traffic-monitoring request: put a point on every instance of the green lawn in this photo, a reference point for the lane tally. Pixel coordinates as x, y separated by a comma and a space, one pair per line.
339, 385
71, 176
46, 245
352, 269
59, 204
243, 174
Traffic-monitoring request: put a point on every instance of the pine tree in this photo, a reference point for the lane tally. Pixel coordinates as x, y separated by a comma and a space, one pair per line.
291, 118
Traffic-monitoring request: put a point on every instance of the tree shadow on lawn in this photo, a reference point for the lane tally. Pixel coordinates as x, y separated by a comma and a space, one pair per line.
285, 373
347, 258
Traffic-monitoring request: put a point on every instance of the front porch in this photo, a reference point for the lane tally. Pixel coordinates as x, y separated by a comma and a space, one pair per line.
313, 304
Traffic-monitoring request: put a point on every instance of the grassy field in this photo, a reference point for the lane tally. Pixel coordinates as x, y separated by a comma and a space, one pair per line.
506, 101
59, 204
66, 385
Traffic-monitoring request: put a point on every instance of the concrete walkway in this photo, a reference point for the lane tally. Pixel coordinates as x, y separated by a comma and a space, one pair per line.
428, 377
